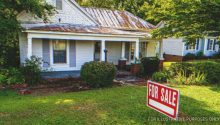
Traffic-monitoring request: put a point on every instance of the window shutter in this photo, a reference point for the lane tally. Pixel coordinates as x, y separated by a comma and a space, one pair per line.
197, 44
214, 44
46, 53
72, 53
208, 44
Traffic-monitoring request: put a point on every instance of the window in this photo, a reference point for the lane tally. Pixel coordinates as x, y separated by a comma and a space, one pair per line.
191, 47
143, 49
59, 5
211, 44
97, 51
59, 51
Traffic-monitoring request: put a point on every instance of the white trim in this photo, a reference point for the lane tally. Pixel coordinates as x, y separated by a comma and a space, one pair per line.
102, 53
88, 34
29, 47
82, 37
123, 50
137, 47
213, 44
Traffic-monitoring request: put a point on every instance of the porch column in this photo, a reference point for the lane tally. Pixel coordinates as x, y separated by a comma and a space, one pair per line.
123, 50
161, 50
29, 48
137, 49
205, 46
102, 50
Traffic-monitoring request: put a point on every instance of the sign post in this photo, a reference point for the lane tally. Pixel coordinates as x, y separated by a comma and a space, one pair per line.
163, 99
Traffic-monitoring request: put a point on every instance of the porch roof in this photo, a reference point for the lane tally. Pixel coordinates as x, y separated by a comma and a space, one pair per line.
72, 28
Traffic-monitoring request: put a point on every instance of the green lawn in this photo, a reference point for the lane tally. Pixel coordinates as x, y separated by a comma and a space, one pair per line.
120, 105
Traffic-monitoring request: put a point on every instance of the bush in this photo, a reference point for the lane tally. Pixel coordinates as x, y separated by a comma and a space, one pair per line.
210, 70
200, 55
98, 74
11, 76
160, 76
150, 65
216, 56
190, 56
31, 70
195, 78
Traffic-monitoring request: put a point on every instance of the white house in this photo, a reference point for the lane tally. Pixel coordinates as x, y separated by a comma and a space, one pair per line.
76, 35
175, 49
178, 47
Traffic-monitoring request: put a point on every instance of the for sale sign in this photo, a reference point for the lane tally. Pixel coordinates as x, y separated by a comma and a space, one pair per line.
163, 99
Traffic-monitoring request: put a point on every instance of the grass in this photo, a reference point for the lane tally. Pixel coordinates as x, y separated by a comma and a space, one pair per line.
120, 105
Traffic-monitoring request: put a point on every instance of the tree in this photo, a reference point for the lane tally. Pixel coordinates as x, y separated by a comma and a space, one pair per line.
10, 27
189, 19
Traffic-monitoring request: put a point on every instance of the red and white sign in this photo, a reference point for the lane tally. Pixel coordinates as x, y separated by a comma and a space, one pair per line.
163, 99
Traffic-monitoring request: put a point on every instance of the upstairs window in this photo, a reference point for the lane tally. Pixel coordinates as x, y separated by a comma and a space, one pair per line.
59, 5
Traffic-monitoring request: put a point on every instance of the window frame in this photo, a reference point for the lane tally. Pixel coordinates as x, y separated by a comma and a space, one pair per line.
66, 49
53, 49
211, 44
53, 65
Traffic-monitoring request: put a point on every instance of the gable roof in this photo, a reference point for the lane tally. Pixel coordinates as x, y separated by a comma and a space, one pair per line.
83, 11
118, 19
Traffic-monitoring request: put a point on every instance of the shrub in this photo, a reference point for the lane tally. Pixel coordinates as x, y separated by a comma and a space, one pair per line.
98, 74
150, 65
3, 79
209, 70
11, 76
160, 76
216, 56
31, 70
195, 78
189, 56
200, 55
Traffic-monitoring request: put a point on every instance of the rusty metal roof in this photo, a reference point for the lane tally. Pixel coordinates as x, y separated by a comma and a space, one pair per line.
118, 19
87, 29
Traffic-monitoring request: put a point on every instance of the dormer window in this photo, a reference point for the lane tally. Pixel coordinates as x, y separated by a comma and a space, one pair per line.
59, 5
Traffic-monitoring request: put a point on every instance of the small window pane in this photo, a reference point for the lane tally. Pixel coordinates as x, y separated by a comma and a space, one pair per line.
59, 4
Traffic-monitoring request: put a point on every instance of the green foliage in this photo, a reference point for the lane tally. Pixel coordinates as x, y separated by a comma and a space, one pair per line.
200, 55
10, 26
150, 65
190, 56
189, 19
195, 78
11, 76
160, 76
208, 70
31, 70
216, 56
98, 74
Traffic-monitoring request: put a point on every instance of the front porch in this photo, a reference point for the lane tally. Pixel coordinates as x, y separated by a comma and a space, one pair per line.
69, 51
